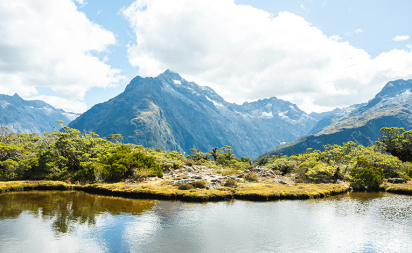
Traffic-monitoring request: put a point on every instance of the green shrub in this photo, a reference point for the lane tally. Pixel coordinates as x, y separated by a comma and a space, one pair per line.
141, 174
199, 184
230, 183
367, 178
251, 177
320, 173
185, 186
284, 165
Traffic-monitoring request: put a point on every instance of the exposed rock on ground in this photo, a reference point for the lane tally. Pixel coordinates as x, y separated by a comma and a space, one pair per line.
216, 178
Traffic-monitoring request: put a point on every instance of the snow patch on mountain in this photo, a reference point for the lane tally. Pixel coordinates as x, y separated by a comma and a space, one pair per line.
4, 104
267, 114
214, 102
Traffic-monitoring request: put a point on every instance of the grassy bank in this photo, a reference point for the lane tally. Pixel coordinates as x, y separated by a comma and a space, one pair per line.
162, 190
405, 188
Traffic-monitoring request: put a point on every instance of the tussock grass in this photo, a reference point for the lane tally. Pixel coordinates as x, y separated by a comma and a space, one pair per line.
405, 188
161, 190
34, 185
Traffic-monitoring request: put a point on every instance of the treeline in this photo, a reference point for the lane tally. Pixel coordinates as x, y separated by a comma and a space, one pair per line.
86, 158
71, 156
364, 167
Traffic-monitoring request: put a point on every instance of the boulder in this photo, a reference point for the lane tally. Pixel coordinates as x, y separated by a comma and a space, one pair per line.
397, 180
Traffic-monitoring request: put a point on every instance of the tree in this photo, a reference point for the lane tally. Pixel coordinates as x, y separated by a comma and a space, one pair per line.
365, 176
115, 137
214, 153
198, 156
397, 142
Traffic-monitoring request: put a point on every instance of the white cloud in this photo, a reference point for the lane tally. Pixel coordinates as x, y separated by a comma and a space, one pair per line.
246, 54
48, 43
401, 38
58, 102
359, 30
335, 37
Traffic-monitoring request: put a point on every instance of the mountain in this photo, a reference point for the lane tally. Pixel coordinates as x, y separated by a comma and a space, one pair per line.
171, 113
30, 116
391, 107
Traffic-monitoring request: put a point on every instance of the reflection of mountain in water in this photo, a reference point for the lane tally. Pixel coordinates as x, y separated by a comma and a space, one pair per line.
67, 208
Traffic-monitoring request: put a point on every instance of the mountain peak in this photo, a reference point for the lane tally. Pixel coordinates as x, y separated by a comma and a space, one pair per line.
168, 74
394, 88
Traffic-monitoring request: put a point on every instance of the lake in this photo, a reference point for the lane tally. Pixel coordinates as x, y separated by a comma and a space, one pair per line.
70, 221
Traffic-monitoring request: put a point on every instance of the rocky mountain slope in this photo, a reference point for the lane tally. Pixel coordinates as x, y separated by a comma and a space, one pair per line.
391, 107
171, 113
30, 116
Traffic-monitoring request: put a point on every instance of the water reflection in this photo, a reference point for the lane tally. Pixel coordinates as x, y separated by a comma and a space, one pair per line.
80, 222
67, 208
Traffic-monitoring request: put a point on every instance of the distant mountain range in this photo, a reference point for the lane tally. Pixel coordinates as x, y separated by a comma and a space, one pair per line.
30, 116
392, 107
171, 113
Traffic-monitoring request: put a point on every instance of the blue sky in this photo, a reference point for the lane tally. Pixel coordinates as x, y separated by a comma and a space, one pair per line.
318, 54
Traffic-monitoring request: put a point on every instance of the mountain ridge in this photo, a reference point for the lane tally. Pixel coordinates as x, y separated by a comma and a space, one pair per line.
391, 107
30, 116
169, 112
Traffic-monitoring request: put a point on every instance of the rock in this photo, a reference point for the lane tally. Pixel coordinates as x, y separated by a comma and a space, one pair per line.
188, 169
397, 180
184, 181
262, 172
283, 182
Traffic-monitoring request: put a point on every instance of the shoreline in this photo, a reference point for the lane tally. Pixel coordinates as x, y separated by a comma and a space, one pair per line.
253, 192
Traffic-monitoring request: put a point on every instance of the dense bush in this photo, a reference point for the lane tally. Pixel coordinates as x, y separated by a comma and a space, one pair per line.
68, 155
365, 176
320, 173
397, 142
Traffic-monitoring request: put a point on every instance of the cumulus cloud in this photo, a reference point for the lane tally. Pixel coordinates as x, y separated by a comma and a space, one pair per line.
48, 43
401, 38
246, 53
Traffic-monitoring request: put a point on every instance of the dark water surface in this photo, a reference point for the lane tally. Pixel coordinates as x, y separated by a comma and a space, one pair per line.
54, 221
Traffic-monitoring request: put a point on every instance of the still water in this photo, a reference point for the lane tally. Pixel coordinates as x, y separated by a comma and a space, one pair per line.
54, 221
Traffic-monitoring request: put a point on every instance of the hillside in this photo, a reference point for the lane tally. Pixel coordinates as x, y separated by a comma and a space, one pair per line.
171, 113
391, 107
30, 116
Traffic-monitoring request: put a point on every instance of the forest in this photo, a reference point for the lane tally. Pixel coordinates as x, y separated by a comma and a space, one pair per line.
71, 156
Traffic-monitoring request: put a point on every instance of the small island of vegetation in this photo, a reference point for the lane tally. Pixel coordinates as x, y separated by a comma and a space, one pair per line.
70, 160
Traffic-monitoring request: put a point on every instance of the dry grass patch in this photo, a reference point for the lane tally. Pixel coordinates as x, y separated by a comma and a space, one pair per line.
405, 188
